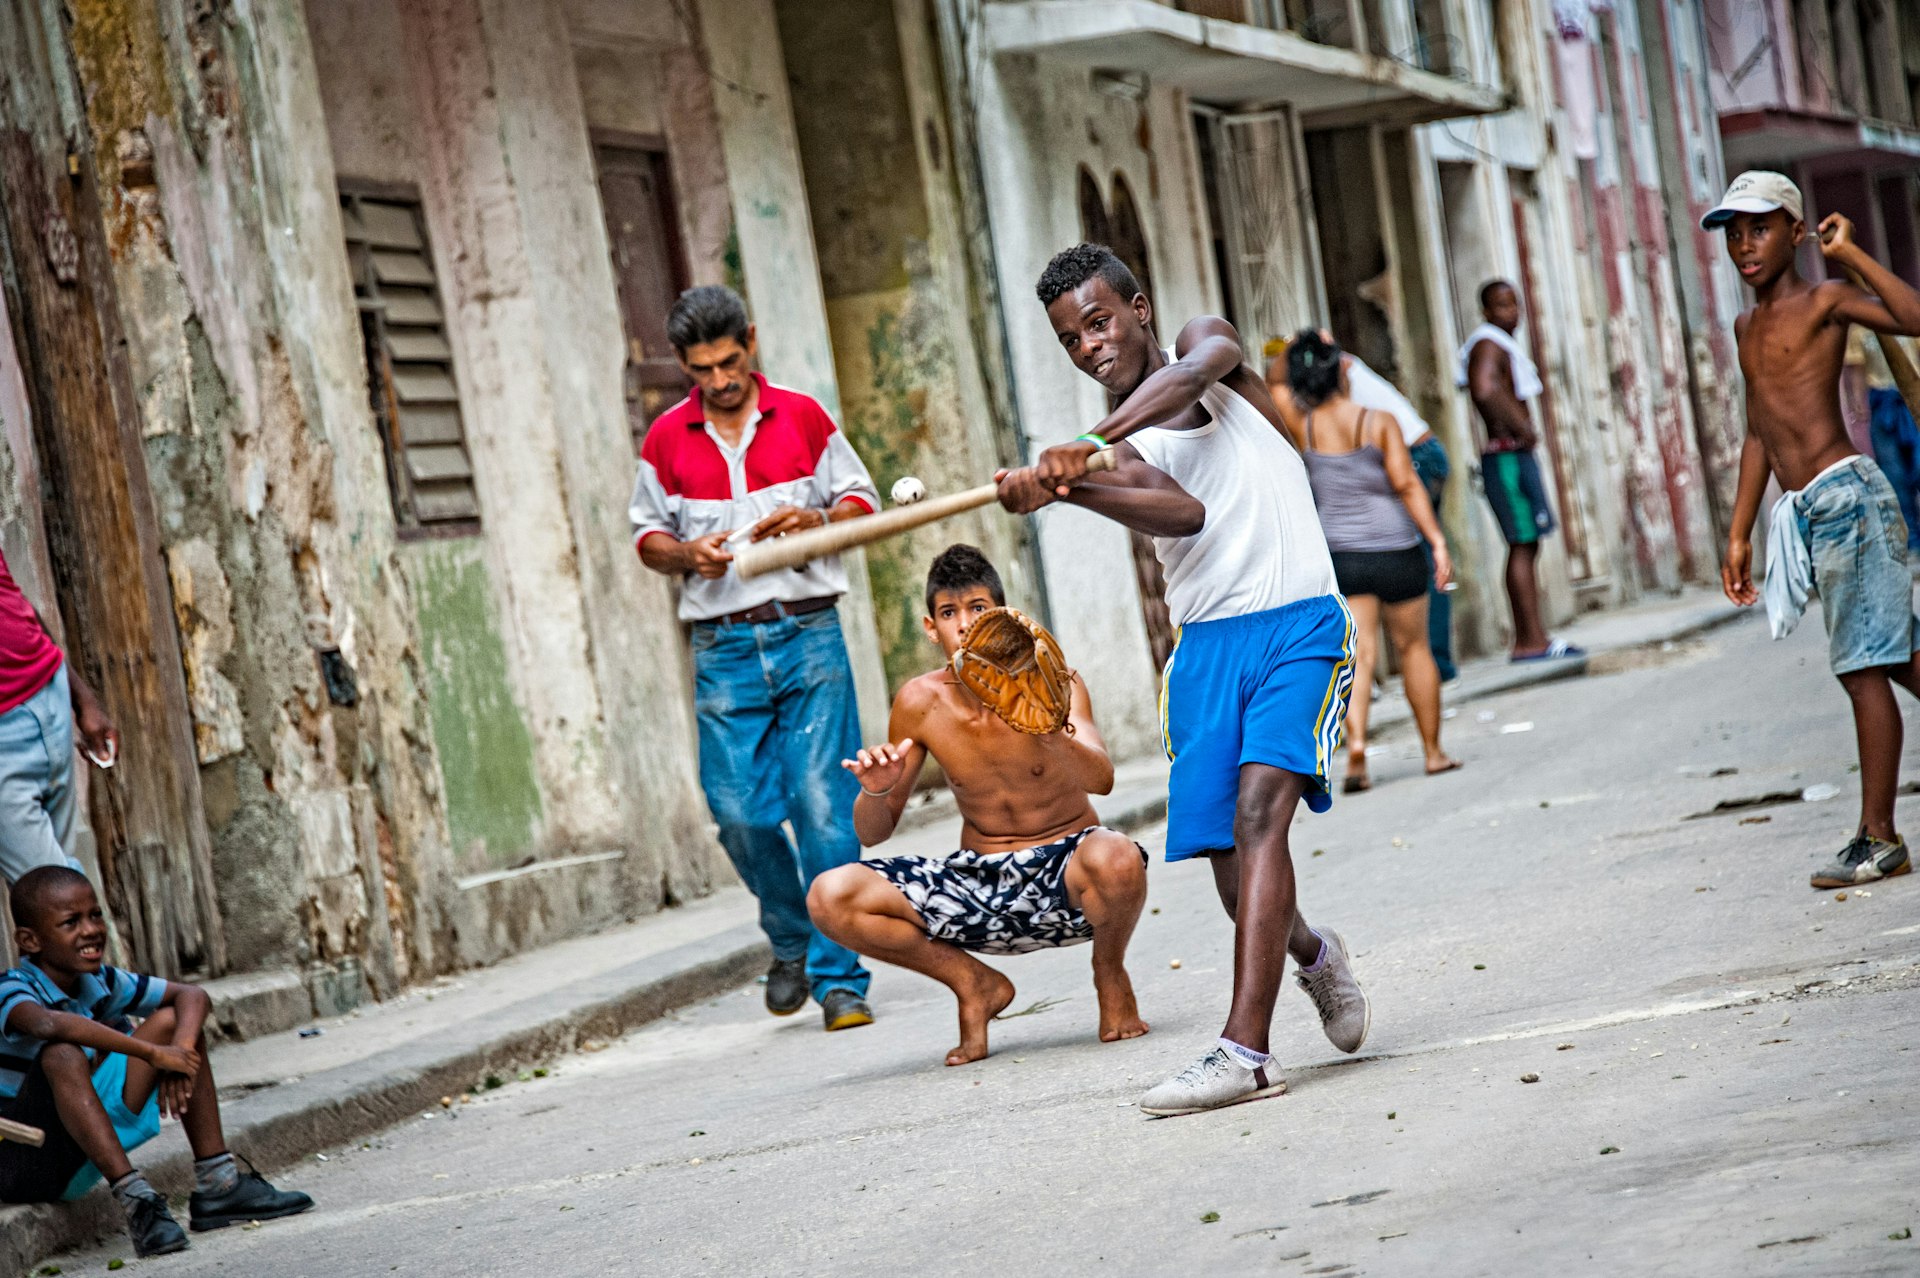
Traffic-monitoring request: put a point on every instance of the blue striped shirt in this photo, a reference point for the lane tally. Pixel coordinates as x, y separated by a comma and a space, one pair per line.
109, 997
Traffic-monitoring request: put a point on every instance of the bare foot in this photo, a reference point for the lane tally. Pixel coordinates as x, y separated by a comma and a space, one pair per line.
1119, 1017
979, 1005
1439, 763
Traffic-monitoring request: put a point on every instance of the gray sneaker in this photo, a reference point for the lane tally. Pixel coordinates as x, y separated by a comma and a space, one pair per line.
1214, 1080
1864, 860
1345, 1014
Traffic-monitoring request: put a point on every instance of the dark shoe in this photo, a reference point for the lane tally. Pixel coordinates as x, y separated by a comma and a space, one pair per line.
251, 1198
787, 986
843, 1009
152, 1227
1865, 860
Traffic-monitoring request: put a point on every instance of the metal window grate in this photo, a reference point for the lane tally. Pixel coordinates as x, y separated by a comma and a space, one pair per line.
416, 401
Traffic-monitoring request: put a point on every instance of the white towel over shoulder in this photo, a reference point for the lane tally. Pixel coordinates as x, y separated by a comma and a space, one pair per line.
1526, 377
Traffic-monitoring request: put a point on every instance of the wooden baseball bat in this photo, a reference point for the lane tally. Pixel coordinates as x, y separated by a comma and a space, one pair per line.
794, 549
1904, 375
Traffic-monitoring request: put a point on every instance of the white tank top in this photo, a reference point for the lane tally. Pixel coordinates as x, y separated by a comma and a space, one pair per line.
1262, 546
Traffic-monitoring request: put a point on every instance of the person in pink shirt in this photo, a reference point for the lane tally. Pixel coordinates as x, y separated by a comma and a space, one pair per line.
44, 707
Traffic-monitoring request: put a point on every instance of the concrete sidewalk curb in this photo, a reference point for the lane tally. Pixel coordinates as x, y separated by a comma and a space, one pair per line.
281, 1125
1505, 677
278, 1126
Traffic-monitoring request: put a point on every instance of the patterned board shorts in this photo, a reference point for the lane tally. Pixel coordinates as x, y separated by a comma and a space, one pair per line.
994, 903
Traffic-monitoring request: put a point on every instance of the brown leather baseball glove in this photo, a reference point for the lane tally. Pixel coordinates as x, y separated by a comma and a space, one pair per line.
1011, 663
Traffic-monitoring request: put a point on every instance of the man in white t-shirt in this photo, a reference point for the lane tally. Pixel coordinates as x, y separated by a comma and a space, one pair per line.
1256, 690
1370, 390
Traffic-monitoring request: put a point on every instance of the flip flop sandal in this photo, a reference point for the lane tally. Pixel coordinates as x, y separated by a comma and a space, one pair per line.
1356, 785
1555, 650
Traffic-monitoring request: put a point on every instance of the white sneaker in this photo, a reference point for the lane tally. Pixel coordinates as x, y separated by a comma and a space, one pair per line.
1345, 1013
1214, 1080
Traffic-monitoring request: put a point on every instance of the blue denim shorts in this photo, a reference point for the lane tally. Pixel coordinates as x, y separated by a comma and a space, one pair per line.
1858, 544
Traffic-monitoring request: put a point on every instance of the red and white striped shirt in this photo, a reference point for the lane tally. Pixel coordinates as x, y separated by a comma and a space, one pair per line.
691, 484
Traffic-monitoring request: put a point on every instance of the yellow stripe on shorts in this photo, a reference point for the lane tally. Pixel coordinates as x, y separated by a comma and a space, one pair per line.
1332, 719
1166, 682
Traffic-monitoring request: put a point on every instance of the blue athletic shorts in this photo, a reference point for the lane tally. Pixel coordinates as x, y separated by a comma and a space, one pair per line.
1269, 687
133, 1129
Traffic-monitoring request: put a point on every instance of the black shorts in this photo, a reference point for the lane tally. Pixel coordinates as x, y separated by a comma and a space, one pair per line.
29, 1175
1393, 576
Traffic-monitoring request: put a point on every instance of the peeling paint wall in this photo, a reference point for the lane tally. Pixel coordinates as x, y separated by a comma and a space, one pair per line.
514, 758
267, 477
877, 169
486, 755
778, 271
555, 668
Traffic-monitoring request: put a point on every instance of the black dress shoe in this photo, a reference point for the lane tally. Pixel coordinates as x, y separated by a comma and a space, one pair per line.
843, 1009
251, 1198
787, 986
152, 1227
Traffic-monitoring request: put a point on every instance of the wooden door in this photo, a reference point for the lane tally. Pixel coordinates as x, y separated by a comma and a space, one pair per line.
648, 271
103, 538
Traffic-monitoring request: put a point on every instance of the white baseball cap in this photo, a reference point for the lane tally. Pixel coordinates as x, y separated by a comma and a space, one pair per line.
1755, 191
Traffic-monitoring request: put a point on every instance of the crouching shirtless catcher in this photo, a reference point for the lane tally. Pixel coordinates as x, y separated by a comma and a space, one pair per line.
1036, 869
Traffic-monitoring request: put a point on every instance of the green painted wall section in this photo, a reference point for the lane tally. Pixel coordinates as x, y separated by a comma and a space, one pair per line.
486, 753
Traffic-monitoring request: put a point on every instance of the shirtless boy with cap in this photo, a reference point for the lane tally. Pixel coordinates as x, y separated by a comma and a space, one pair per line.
1838, 527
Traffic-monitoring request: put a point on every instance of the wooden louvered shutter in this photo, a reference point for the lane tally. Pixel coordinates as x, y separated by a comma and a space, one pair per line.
416, 400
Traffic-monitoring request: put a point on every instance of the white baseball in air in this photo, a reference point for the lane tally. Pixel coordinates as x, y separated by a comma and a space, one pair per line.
907, 490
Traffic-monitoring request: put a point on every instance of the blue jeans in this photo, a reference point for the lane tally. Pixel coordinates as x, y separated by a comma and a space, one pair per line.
776, 712
1430, 463
1896, 447
36, 780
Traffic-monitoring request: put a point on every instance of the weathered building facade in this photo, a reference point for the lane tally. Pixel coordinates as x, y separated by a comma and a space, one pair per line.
320, 445
1586, 195
332, 327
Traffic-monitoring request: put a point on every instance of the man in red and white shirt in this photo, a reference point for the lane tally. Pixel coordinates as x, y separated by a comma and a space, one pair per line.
773, 690
43, 706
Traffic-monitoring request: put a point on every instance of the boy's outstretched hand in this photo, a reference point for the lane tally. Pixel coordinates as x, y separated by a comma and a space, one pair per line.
879, 768
1736, 573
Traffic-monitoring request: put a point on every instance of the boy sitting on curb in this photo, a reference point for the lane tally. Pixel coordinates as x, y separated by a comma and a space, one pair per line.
68, 1066
1838, 528
1036, 869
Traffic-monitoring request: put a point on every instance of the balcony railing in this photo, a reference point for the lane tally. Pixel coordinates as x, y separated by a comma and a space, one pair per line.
1360, 25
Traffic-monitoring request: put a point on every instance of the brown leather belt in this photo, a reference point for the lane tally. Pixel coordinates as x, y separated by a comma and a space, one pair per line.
773, 611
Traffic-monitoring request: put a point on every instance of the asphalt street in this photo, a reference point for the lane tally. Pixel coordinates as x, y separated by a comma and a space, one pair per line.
1723, 1055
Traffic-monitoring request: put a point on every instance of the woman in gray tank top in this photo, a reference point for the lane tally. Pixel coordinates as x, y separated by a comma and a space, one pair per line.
1374, 512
